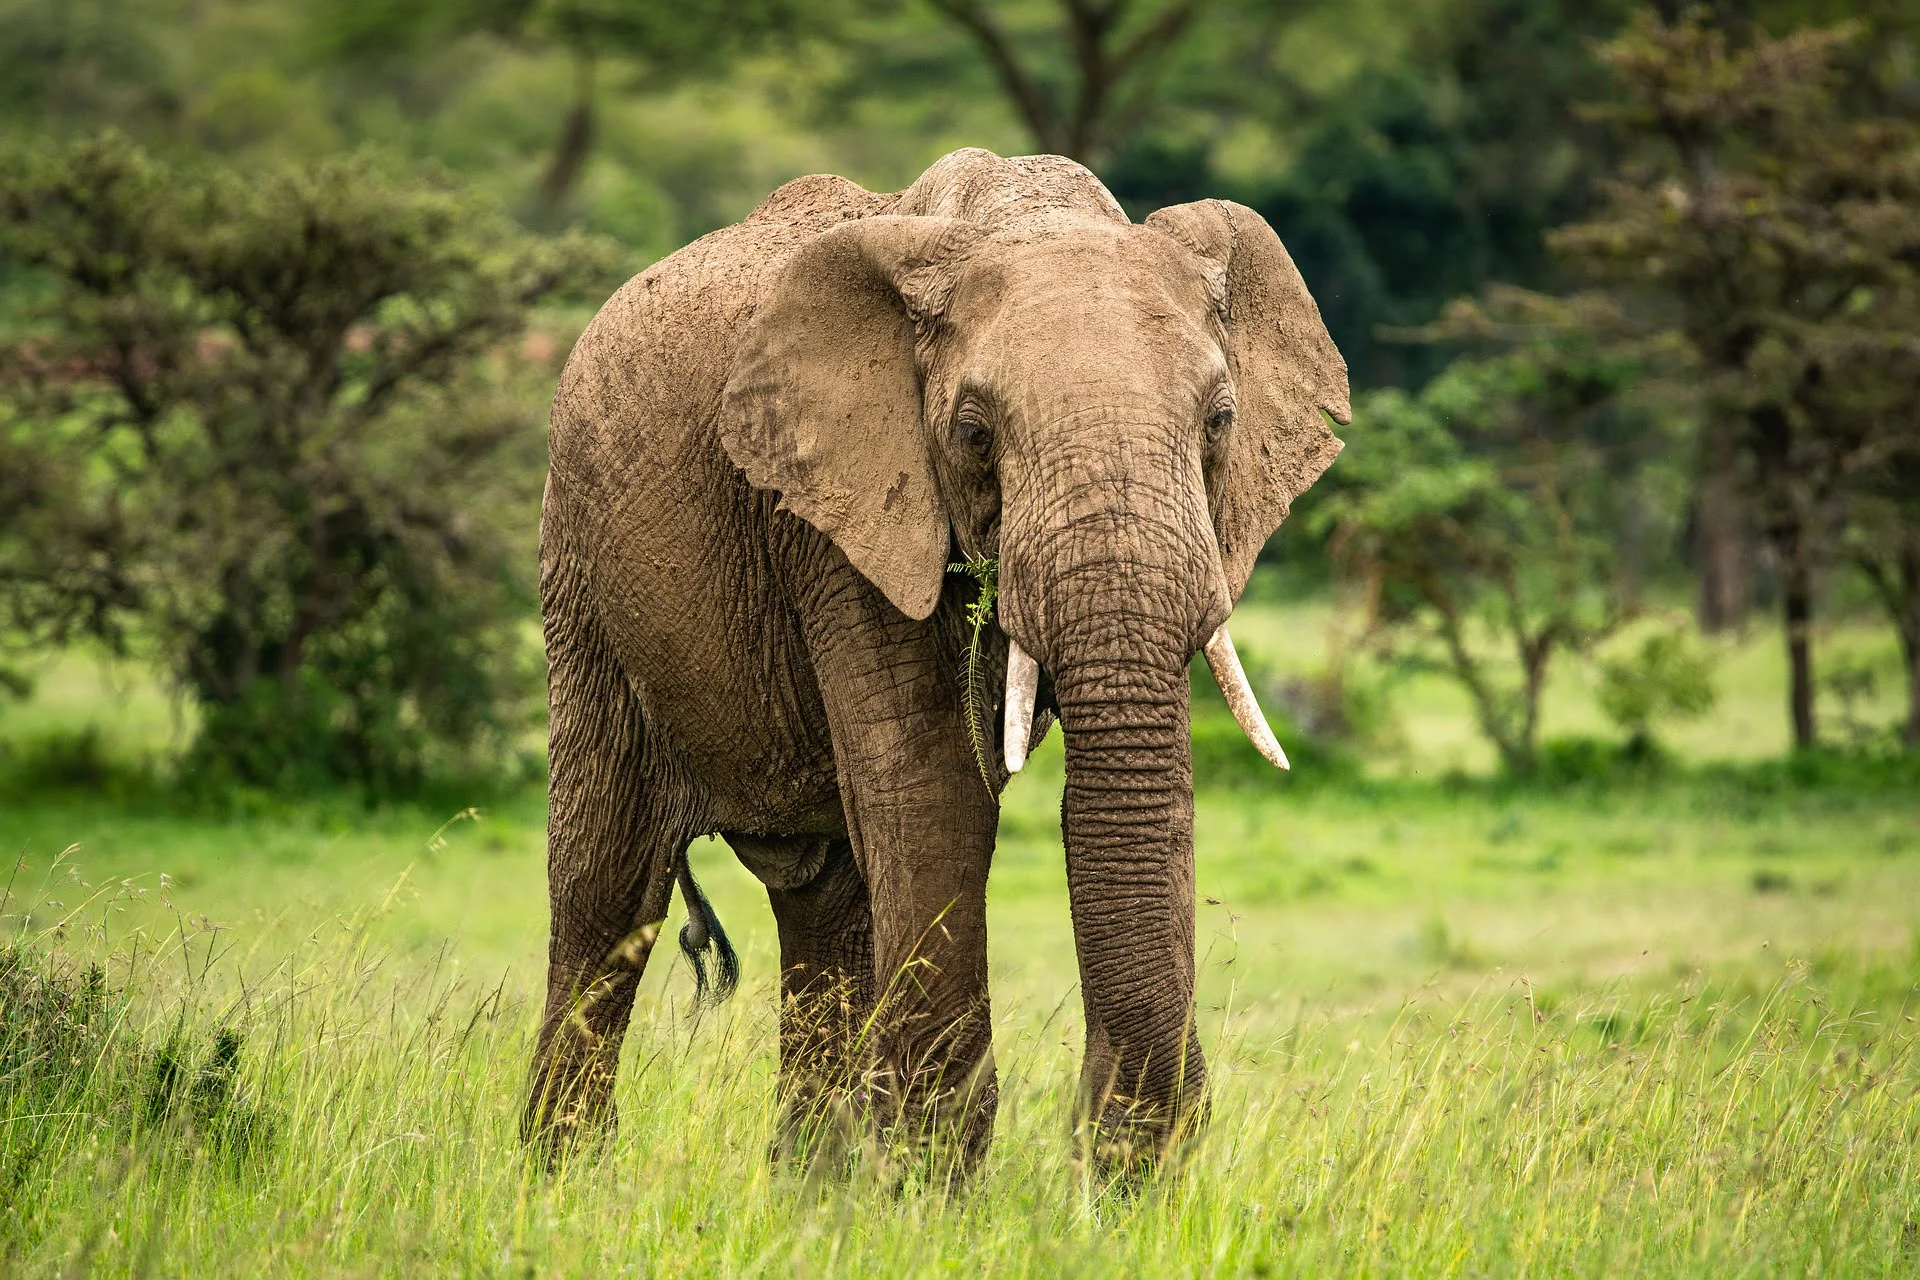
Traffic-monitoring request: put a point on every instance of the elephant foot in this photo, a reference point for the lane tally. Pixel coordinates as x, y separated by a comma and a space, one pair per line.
818, 1136
937, 1137
924, 1141
569, 1107
1134, 1140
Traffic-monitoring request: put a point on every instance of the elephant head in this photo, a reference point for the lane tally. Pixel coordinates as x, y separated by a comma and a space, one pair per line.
1120, 413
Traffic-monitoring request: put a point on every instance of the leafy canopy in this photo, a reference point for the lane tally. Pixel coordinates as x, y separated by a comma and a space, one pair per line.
271, 427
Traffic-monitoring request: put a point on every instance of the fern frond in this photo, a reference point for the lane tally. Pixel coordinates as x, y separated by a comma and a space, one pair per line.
985, 571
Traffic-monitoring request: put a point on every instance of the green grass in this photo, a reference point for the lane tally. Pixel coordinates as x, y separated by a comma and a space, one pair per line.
1455, 1030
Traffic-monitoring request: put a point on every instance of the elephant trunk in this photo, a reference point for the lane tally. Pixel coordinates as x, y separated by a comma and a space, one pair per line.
1128, 819
1113, 606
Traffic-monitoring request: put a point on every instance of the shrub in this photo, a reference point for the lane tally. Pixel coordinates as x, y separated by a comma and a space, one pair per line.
1574, 761
72, 1060
272, 427
1222, 756
1668, 676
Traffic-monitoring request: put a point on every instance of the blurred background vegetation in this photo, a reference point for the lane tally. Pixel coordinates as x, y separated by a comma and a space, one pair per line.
1630, 294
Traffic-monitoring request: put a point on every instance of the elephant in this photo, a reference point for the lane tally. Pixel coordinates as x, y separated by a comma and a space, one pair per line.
769, 454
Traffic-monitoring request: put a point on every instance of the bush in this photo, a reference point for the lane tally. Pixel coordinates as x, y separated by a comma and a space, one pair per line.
1480, 519
1581, 760
72, 761
1667, 677
272, 428
72, 1058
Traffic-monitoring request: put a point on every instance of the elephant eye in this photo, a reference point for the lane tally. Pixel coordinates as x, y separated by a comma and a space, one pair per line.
972, 431
1219, 422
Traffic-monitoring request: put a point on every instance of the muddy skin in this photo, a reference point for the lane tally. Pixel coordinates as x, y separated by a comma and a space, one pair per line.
766, 449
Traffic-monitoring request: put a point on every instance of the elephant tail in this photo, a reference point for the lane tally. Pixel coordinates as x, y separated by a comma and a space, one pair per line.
702, 933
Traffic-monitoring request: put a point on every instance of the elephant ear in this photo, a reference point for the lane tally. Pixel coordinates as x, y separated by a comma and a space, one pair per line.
1285, 371
823, 400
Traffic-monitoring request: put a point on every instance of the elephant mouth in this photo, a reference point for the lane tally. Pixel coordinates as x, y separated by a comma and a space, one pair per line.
1023, 695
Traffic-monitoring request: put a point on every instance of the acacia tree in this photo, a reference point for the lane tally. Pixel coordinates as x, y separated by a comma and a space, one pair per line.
269, 429
1882, 535
1480, 515
1768, 216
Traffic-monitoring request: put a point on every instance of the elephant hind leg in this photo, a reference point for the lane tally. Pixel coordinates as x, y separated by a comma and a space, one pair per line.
596, 956
825, 918
618, 824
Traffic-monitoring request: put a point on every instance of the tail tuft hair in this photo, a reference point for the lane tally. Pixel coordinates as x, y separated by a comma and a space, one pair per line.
702, 933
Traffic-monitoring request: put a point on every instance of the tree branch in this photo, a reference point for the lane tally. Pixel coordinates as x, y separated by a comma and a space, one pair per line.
1028, 95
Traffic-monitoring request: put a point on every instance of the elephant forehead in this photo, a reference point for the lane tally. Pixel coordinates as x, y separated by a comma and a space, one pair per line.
1105, 332
1072, 248
1100, 281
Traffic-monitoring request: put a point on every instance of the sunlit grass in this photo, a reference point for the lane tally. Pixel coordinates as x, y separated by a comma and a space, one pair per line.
1766, 1125
1450, 1035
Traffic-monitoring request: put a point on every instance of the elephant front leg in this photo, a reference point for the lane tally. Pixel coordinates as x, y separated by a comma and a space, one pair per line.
931, 1078
921, 824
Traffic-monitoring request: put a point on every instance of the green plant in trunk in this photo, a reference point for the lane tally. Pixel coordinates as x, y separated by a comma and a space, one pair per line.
276, 431
985, 572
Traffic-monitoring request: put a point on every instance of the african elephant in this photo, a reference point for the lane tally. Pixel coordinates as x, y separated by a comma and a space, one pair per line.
767, 451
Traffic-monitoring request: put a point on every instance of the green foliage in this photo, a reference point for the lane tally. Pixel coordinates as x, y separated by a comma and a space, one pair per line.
1081, 74
1434, 168
1407, 154
1767, 197
1223, 759
1477, 515
985, 573
655, 39
71, 1047
67, 761
276, 432
1668, 676
1325, 722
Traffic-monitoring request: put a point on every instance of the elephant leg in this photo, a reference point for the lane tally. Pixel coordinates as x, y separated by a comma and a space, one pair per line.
616, 823
921, 824
603, 932
825, 919
932, 1063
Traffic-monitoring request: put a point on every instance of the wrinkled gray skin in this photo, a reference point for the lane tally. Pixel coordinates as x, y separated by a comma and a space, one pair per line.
766, 449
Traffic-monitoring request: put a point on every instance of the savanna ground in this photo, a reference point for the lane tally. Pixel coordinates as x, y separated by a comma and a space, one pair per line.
1665, 1026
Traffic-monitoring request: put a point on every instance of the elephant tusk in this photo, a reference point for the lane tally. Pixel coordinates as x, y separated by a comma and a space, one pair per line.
1023, 685
1232, 679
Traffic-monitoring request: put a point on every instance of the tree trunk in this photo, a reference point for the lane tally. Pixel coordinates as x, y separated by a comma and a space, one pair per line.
1796, 599
1722, 546
1780, 486
1908, 624
1910, 647
576, 138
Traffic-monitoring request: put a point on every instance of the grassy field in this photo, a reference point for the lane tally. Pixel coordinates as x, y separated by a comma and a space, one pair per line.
1456, 1029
